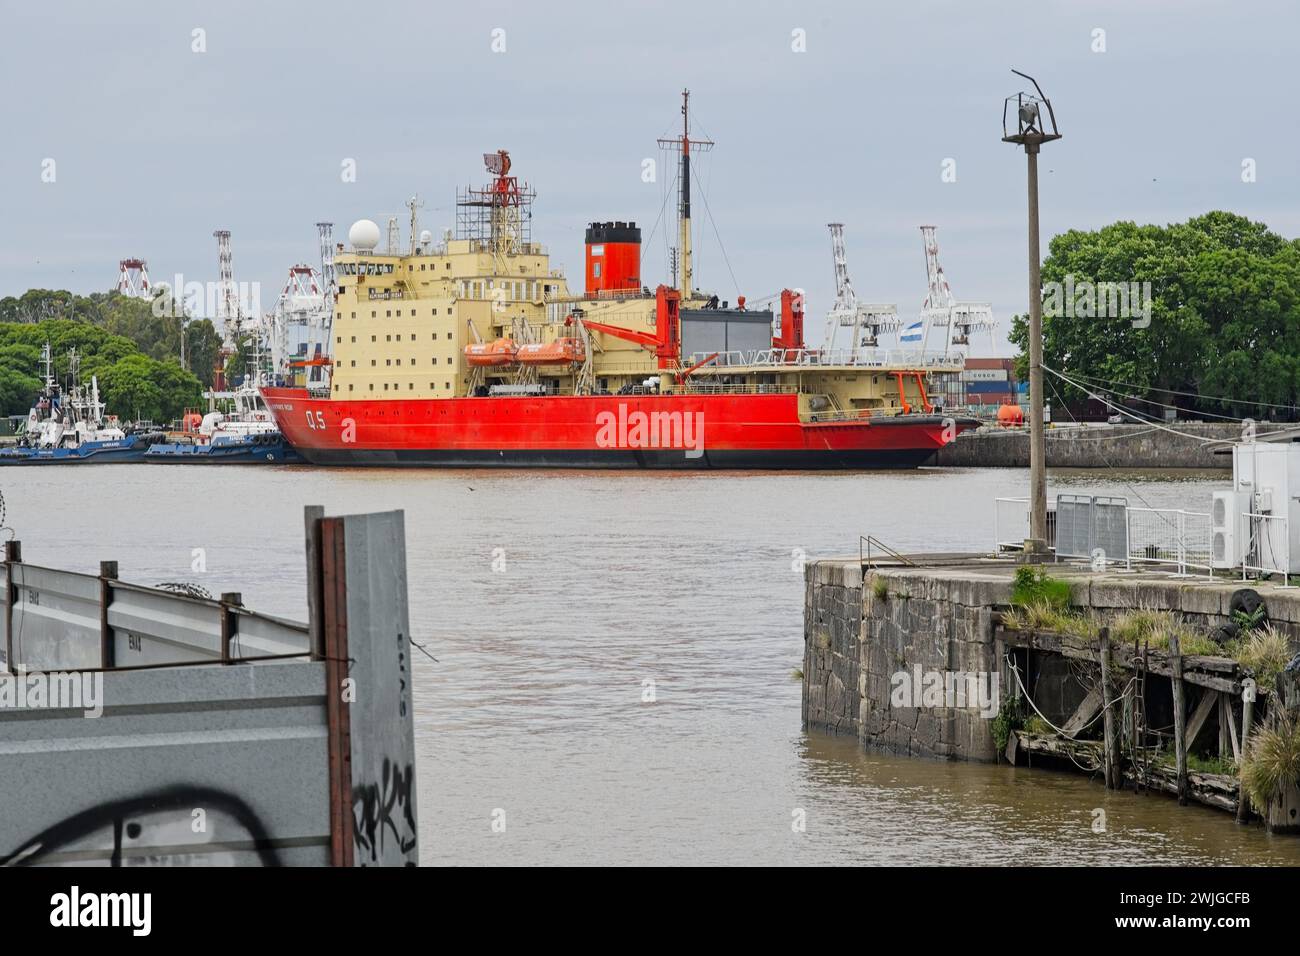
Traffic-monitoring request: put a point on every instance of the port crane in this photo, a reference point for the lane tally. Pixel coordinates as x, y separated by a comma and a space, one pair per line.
133, 279
940, 309
867, 320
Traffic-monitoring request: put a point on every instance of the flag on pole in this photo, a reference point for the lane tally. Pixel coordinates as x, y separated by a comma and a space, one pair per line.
911, 333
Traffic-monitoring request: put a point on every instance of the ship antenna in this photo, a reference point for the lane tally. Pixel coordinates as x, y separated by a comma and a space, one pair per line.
683, 145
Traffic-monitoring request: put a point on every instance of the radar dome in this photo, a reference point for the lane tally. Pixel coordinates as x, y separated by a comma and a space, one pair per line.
426, 236
364, 235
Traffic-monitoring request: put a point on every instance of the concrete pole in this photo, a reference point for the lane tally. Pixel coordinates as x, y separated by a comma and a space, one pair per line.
1037, 543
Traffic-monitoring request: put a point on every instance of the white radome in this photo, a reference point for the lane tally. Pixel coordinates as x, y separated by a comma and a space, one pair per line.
426, 236
364, 235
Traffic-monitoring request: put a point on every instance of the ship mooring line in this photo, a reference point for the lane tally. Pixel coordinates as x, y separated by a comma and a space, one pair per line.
1124, 410
1138, 494
1212, 398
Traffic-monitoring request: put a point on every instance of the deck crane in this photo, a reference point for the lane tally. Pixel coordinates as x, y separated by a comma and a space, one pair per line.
867, 320
940, 309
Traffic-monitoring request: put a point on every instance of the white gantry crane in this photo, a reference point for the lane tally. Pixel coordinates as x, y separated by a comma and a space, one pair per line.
301, 306
867, 320
319, 329
133, 279
228, 310
940, 310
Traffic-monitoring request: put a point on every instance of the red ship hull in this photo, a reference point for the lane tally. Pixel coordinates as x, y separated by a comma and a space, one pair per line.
603, 431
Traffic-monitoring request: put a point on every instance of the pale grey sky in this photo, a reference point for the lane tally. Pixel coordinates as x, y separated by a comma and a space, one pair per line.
156, 146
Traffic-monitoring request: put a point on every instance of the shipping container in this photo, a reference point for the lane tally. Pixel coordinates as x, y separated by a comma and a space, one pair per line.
984, 363
981, 388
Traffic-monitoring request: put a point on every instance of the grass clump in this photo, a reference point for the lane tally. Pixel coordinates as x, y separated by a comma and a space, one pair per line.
1272, 758
796, 674
879, 587
1264, 652
1036, 725
1144, 625
1196, 763
1033, 585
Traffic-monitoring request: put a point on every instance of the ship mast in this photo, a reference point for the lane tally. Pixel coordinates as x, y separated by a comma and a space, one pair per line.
683, 145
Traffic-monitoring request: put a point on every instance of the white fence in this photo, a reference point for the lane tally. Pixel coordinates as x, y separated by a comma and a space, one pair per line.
1169, 536
1010, 523
1267, 542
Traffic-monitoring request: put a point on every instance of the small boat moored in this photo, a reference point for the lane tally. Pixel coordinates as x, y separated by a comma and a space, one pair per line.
248, 435
73, 427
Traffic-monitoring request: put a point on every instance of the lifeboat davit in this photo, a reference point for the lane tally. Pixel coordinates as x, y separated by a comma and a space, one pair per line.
561, 351
491, 354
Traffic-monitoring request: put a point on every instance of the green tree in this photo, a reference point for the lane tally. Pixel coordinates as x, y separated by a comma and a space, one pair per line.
129, 388
202, 349
1224, 309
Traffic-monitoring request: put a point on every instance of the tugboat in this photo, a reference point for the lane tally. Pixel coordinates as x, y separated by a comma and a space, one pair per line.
249, 436
72, 427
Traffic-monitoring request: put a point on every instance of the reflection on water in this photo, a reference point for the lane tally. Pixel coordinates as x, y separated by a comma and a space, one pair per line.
612, 588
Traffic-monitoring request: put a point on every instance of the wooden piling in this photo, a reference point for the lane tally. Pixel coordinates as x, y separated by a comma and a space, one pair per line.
1133, 721
1110, 759
1180, 718
1247, 718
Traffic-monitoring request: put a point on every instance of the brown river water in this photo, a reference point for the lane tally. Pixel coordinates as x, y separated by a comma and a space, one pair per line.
603, 583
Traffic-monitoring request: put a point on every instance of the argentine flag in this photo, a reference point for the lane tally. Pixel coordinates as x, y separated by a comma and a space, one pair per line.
911, 333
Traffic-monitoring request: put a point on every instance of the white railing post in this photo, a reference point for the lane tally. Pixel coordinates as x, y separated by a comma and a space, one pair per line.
1128, 539
1241, 520
1182, 542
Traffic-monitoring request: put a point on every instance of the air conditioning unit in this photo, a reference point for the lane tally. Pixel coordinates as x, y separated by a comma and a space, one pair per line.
1227, 537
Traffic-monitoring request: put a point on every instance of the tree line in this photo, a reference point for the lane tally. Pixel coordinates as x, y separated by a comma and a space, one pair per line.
135, 353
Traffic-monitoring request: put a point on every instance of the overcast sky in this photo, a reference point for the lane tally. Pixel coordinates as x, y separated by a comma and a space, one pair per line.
155, 145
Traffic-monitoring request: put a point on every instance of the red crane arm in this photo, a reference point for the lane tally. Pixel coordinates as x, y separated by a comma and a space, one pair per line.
628, 335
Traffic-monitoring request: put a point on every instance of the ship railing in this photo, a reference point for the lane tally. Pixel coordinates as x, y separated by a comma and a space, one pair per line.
709, 388
859, 358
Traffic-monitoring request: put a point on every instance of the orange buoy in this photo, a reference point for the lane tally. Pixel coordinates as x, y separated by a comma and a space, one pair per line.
1009, 416
491, 354
561, 351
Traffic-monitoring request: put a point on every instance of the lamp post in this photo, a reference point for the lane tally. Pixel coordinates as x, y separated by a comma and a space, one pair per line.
1032, 131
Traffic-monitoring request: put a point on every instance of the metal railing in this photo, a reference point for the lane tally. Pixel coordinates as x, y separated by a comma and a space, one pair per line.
1169, 536
65, 620
1010, 517
1267, 539
866, 544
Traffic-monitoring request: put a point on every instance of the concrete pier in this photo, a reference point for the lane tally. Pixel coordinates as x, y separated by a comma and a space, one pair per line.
873, 634
1103, 446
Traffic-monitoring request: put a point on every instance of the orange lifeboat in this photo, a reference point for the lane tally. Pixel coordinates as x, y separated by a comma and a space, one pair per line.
561, 351
491, 354
1010, 416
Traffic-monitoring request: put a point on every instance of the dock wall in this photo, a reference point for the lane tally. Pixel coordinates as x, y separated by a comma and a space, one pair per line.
1101, 446
858, 637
